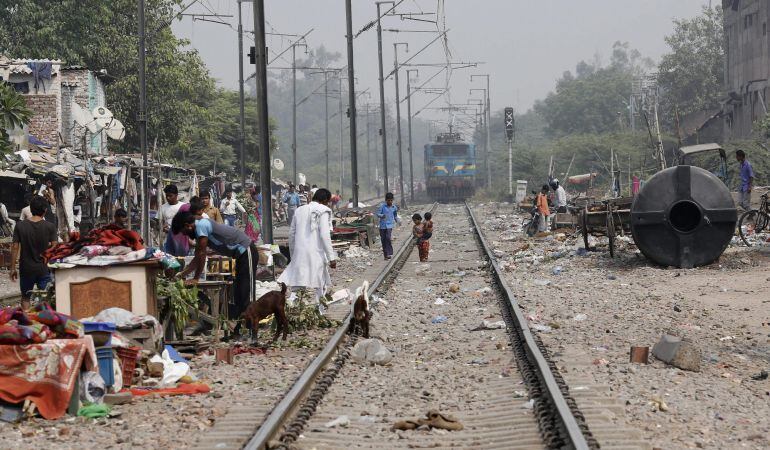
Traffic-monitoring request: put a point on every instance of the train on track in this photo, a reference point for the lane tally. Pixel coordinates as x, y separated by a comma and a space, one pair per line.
450, 168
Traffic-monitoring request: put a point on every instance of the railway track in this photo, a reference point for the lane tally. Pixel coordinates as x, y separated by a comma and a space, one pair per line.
496, 382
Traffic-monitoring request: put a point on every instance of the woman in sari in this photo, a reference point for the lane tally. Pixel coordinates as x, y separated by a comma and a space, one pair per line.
252, 206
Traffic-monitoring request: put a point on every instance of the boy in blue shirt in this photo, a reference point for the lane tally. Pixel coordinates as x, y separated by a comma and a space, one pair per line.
388, 214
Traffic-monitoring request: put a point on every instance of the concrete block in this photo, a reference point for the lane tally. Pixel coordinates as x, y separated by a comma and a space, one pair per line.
678, 352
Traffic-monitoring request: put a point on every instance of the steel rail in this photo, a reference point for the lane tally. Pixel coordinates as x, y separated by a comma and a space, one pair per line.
283, 410
570, 426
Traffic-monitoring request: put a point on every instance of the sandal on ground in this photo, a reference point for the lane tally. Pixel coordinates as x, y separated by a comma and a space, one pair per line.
407, 424
442, 421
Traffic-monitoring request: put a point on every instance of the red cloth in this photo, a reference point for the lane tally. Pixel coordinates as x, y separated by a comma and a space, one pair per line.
109, 235
182, 389
44, 373
423, 248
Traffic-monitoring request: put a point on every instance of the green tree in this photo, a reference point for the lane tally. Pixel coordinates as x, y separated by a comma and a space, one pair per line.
692, 73
13, 113
102, 34
594, 99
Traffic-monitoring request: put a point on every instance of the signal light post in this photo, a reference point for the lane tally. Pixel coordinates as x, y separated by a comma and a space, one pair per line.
510, 134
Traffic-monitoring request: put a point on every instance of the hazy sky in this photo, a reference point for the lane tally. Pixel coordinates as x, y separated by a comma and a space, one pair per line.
525, 44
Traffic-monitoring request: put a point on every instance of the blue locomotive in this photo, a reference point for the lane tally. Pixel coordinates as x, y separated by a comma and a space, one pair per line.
450, 168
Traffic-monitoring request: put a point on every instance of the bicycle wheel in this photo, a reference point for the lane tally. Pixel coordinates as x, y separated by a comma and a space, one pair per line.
753, 227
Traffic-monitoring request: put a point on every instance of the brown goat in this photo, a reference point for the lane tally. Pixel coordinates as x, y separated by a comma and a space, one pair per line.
360, 315
273, 302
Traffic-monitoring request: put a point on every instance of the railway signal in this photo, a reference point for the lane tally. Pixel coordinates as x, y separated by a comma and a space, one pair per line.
510, 133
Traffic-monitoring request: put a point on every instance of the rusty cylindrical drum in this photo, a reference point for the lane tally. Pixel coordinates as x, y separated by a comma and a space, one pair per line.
683, 216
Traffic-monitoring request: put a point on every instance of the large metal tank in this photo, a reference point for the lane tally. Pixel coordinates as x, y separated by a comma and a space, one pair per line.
683, 216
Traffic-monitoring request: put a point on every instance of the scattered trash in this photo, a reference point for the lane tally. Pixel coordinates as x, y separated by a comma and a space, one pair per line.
580, 317
434, 419
727, 338
422, 269
677, 308
372, 351
581, 251
485, 290
612, 277
479, 362
439, 301
659, 404
488, 325
519, 394
557, 270
760, 376
640, 355
600, 362
529, 405
541, 328
439, 319
678, 352
454, 288
460, 273
341, 421
94, 411
92, 387
542, 282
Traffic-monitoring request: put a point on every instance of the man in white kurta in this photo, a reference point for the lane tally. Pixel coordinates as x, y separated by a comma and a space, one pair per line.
310, 246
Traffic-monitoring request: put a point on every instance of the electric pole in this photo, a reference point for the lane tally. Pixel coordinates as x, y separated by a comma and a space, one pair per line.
487, 145
294, 107
352, 106
326, 133
342, 169
409, 128
142, 120
241, 96
398, 124
382, 99
262, 121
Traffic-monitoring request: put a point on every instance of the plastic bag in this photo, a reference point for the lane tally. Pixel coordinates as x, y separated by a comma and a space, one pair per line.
92, 388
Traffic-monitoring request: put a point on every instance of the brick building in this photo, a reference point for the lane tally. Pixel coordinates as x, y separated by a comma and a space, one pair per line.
747, 65
51, 94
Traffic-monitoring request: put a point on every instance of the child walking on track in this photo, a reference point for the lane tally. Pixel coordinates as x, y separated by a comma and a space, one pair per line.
423, 245
418, 231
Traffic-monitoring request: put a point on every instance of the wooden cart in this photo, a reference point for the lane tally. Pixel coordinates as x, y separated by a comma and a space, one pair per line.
606, 218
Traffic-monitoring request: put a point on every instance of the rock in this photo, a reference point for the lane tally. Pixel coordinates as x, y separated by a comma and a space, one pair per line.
678, 352
341, 421
372, 351
118, 399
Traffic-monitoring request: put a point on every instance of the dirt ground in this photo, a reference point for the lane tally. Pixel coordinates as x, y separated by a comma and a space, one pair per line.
591, 309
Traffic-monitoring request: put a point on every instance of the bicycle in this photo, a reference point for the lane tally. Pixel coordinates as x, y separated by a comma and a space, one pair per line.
754, 225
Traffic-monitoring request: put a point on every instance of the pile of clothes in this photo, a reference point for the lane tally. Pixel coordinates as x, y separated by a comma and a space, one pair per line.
105, 246
18, 327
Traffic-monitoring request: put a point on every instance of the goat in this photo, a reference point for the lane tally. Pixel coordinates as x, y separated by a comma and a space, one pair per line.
273, 302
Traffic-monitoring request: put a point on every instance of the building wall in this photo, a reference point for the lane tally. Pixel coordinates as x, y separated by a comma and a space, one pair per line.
46, 120
82, 87
747, 65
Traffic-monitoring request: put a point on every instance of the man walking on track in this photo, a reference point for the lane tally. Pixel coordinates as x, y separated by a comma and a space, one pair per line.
388, 214
310, 247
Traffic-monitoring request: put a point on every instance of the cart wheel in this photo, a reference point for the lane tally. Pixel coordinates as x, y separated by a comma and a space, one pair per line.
584, 227
611, 233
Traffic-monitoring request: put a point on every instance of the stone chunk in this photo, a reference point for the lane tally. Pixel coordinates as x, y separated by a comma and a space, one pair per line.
678, 352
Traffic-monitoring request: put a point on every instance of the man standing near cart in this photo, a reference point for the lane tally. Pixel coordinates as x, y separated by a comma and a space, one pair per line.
747, 180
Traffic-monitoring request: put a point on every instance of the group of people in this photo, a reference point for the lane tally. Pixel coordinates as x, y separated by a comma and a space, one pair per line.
422, 230
228, 212
295, 197
541, 202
